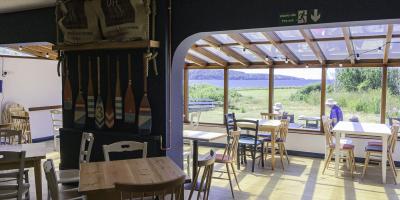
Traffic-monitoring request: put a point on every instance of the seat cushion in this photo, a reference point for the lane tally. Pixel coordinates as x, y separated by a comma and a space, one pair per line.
248, 141
344, 146
373, 148
268, 139
264, 134
220, 158
375, 143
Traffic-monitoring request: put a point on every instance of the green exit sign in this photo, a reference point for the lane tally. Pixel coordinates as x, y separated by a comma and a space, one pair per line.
300, 17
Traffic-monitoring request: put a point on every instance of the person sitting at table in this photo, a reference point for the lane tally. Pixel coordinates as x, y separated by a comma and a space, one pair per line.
336, 112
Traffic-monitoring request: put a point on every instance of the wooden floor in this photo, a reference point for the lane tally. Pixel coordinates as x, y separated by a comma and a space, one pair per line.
302, 179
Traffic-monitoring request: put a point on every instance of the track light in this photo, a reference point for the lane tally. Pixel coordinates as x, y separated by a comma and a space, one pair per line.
340, 65
20, 48
244, 49
286, 60
358, 56
307, 66
266, 58
47, 55
379, 49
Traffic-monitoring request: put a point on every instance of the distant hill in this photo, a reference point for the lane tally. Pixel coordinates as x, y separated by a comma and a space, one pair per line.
198, 74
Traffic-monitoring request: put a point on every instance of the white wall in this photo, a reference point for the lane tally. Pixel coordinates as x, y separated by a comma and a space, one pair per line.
32, 83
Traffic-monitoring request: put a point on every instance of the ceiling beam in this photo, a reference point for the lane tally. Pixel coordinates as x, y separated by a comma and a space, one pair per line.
228, 51
35, 52
196, 60
210, 55
245, 43
308, 37
349, 44
387, 44
276, 41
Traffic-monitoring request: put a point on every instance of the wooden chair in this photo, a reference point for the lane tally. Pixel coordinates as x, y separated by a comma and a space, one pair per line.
229, 157
124, 146
331, 145
280, 141
172, 189
376, 150
250, 142
57, 122
270, 116
22, 123
187, 155
72, 175
8, 136
229, 120
55, 192
14, 191
204, 184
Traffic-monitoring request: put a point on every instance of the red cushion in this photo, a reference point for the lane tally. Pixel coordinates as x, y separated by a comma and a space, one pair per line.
375, 143
221, 158
344, 146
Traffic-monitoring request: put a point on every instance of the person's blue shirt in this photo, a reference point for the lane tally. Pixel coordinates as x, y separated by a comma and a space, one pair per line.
336, 113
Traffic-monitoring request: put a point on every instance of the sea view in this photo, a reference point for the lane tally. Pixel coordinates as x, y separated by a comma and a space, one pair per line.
257, 83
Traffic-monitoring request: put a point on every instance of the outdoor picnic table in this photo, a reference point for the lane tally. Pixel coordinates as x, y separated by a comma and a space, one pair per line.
309, 119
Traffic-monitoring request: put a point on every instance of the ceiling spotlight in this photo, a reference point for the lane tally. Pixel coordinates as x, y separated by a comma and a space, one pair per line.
358, 56
244, 49
379, 49
266, 58
47, 55
20, 48
286, 60
307, 66
340, 65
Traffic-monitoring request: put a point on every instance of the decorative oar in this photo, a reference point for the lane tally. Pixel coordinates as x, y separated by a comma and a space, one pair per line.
90, 98
144, 121
67, 88
99, 120
118, 97
130, 111
80, 107
109, 106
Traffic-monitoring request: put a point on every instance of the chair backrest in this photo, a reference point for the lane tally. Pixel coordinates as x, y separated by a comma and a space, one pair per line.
327, 123
86, 147
8, 136
7, 157
207, 164
265, 115
51, 177
56, 119
284, 129
393, 137
22, 123
229, 120
232, 145
124, 146
251, 126
157, 191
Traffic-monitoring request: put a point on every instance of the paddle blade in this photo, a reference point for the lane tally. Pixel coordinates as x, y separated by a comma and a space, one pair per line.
130, 111
145, 121
80, 112
91, 106
67, 95
118, 107
109, 116
99, 120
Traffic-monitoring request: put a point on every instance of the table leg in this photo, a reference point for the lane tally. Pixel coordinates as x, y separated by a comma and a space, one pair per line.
38, 179
273, 149
195, 158
337, 151
384, 157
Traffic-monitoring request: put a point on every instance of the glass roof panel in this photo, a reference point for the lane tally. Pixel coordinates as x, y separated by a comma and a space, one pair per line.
10, 52
334, 50
289, 35
327, 32
245, 53
255, 37
201, 42
271, 51
367, 49
368, 30
302, 51
396, 28
201, 56
394, 52
220, 54
224, 38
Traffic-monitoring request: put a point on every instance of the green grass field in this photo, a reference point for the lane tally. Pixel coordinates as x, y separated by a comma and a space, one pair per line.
364, 105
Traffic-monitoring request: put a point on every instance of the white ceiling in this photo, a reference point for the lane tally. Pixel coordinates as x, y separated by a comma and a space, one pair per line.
7, 6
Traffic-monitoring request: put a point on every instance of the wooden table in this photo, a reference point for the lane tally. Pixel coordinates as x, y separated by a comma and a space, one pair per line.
265, 125
97, 178
369, 129
197, 136
309, 119
35, 152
